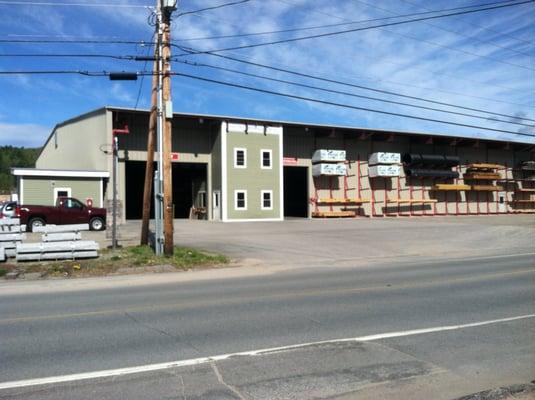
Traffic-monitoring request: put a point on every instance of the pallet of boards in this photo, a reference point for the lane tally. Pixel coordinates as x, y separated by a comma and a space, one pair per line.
334, 214
452, 187
384, 158
384, 170
329, 169
10, 235
61, 228
324, 155
57, 250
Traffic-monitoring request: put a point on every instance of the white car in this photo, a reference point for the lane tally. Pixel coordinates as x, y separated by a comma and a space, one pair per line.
8, 209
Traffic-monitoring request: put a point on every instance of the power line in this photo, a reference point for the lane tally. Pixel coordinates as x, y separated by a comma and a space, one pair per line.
106, 5
213, 8
306, 28
288, 95
315, 77
75, 55
479, 26
289, 40
445, 30
144, 43
281, 94
349, 94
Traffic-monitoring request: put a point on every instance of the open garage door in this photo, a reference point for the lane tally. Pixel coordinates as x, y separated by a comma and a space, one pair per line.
296, 192
189, 188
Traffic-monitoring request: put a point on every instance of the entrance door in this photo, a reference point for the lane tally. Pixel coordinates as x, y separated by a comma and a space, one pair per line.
216, 205
61, 192
296, 192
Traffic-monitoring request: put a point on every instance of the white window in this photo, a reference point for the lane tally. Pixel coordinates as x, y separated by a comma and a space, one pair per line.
240, 158
62, 192
266, 200
265, 159
240, 199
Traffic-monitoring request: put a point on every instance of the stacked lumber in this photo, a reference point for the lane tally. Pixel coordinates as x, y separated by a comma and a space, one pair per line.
61, 242
342, 201
10, 235
487, 188
333, 214
448, 186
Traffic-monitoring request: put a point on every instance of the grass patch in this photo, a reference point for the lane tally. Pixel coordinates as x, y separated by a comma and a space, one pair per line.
127, 259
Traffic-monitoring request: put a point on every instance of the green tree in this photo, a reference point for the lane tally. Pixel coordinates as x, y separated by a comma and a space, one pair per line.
11, 157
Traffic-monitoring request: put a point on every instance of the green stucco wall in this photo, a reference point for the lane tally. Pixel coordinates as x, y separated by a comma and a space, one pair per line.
40, 191
254, 179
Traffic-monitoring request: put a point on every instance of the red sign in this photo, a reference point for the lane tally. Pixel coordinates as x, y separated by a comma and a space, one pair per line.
289, 160
174, 156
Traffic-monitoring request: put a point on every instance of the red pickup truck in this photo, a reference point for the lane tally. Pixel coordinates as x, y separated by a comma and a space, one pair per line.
68, 210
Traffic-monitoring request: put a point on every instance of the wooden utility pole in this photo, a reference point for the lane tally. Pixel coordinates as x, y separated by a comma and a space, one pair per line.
167, 137
149, 169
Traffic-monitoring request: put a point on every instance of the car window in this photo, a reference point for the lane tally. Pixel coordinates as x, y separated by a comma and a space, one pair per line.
72, 203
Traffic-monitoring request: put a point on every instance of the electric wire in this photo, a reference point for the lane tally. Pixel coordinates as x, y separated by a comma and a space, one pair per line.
348, 106
479, 26
315, 77
445, 30
57, 4
328, 34
213, 7
306, 28
280, 94
293, 83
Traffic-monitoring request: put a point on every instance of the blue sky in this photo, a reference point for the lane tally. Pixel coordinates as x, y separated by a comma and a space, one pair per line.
483, 60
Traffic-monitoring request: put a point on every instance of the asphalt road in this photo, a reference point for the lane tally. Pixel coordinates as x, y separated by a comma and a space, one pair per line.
54, 334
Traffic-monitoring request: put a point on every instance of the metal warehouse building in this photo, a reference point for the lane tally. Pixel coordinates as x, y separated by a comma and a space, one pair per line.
234, 169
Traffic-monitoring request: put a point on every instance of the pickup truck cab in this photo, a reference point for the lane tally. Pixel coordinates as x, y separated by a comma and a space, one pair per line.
68, 210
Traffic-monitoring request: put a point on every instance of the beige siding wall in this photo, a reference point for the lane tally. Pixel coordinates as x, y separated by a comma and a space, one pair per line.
40, 191
77, 145
253, 178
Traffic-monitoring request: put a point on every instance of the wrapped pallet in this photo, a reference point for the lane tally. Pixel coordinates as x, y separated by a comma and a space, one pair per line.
329, 156
384, 170
329, 169
384, 158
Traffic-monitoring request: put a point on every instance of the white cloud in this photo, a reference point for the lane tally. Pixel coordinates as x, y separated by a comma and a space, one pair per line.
26, 135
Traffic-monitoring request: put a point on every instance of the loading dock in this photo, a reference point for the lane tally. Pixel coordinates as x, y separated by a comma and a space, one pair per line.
189, 188
296, 191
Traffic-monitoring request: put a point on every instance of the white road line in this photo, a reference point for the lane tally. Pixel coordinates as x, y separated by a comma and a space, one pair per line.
204, 360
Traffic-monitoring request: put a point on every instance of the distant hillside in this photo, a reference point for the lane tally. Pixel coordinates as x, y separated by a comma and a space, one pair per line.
10, 157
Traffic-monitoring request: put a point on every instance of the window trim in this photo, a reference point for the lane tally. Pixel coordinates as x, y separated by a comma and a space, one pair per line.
236, 149
62, 189
262, 207
270, 152
236, 208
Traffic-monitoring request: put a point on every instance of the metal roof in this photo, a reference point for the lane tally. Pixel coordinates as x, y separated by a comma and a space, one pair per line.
59, 173
330, 126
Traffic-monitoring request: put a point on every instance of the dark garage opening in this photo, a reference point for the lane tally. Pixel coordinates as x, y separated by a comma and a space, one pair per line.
296, 192
189, 188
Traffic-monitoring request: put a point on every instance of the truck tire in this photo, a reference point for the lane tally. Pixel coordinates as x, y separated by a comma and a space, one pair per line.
96, 224
35, 222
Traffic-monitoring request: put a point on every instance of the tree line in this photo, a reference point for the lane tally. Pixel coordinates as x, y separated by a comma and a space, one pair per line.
10, 157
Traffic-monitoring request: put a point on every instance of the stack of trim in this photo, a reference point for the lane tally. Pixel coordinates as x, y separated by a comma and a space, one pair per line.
61, 242
10, 235
384, 165
430, 165
482, 171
